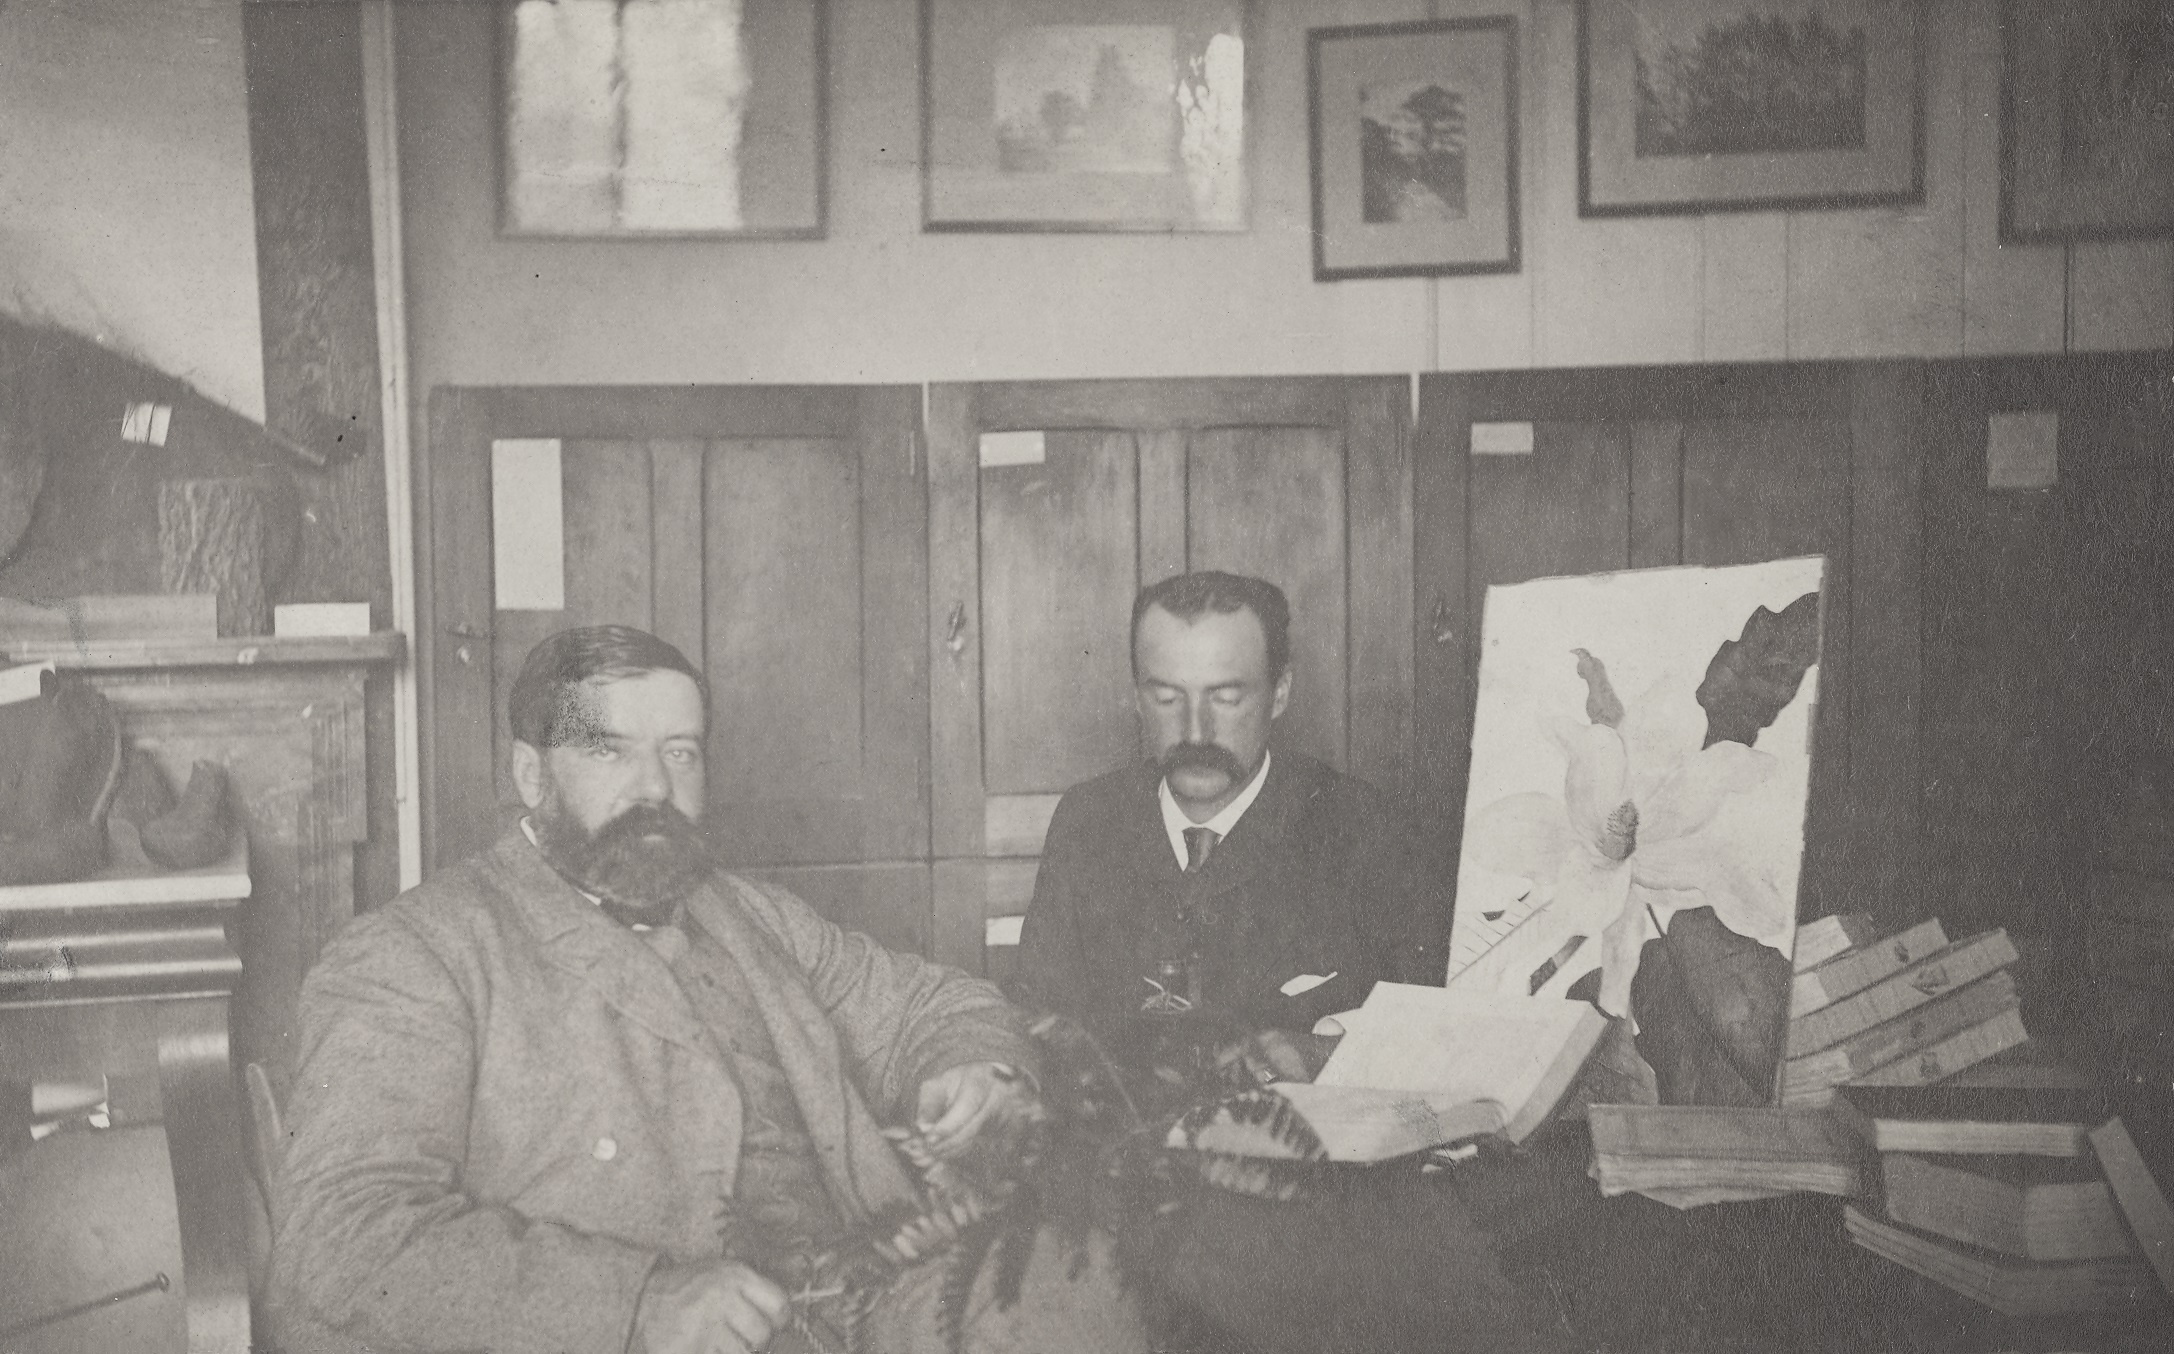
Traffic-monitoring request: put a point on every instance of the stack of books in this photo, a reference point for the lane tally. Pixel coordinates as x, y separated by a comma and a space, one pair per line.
1999, 1194
1907, 1009
1687, 1155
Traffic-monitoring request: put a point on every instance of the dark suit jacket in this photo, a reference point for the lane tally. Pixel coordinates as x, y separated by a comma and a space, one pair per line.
1320, 876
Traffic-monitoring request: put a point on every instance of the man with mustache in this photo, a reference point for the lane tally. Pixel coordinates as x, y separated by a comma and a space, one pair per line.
588, 1092
1260, 890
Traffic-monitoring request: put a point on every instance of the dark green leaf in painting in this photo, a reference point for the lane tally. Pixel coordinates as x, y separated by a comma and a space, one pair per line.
1601, 703
1752, 677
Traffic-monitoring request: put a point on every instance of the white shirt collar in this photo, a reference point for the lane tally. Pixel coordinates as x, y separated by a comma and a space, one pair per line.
1174, 821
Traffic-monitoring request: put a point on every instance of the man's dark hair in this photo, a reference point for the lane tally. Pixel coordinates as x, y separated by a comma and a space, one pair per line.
1191, 596
546, 708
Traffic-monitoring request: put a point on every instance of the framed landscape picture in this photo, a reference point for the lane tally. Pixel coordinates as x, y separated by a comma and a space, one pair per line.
660, 118
1717, 105
1414, 140
1084, 114
2087, 120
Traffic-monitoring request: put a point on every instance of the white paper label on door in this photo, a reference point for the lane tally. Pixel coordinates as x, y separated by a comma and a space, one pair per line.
1020, 448
1502, 439
2022, 450
528, 535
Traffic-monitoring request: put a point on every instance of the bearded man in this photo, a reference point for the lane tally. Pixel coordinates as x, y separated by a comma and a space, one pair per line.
588, 1092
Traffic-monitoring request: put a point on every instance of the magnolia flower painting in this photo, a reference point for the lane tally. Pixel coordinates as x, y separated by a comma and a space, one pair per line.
1634, 824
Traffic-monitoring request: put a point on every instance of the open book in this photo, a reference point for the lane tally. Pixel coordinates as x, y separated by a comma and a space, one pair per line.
1422, 1066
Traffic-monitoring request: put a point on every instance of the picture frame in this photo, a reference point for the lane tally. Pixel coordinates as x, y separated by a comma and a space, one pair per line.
651, 122
1086, 115
2086, 139
1412, 129
1837, 121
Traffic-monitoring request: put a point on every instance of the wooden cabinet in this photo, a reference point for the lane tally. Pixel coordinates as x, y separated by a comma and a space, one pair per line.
1051, 504
1707, 465
775, 535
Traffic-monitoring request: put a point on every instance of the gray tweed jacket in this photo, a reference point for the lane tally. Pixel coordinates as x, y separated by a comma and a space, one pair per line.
506, 1111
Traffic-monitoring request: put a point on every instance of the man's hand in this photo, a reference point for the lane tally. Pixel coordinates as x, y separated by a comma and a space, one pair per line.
958, 1103
717, 1308
1273, 1055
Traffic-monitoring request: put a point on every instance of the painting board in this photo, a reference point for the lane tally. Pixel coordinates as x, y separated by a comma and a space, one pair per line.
1641, 753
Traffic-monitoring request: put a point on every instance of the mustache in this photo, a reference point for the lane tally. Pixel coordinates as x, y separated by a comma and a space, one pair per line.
1202, 757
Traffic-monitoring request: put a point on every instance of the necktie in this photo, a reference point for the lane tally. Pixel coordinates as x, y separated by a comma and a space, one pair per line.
1199, 845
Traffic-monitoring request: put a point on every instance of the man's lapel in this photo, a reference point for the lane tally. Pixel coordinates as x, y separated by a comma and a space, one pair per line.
576, 937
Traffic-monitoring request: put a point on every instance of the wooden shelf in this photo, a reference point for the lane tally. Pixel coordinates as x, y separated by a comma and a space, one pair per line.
234, 651
121, 887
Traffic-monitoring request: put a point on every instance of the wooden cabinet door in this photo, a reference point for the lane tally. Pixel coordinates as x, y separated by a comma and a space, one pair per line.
1051, 504
1714, 466
776, 535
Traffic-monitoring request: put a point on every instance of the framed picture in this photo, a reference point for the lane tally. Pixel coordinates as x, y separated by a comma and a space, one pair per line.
1414, 137
660, 118
1084, 114
2087, 120
1725, 105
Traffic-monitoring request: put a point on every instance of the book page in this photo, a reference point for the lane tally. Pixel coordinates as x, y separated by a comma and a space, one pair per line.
1455, 1046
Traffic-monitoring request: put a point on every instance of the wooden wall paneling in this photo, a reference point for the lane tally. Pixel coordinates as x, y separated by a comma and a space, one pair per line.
1888, 281
2120, 295
1885, 581
1604, 290
1209, 402
1744, 286
889, 901
894, 516
1756, 489
1244, 496
1163, 469
1562, 509
610, 563
954, 629
1377, 441
317, 296
967, 894
1060, 547
2012, 294
1656, 494
783, 568
677, 605
457, 653
1445, 629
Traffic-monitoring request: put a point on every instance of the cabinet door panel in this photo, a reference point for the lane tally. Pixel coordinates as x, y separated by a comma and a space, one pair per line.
775, 535
1270, 502
782, 570
1059, 566
1033, 568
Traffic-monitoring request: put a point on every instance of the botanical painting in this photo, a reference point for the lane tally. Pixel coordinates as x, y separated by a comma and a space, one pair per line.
1744, 103
1634, 822
2088, 125
661, 117
1118, 115
1414, 148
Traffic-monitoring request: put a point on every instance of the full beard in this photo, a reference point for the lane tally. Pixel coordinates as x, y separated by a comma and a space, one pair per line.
643, 863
